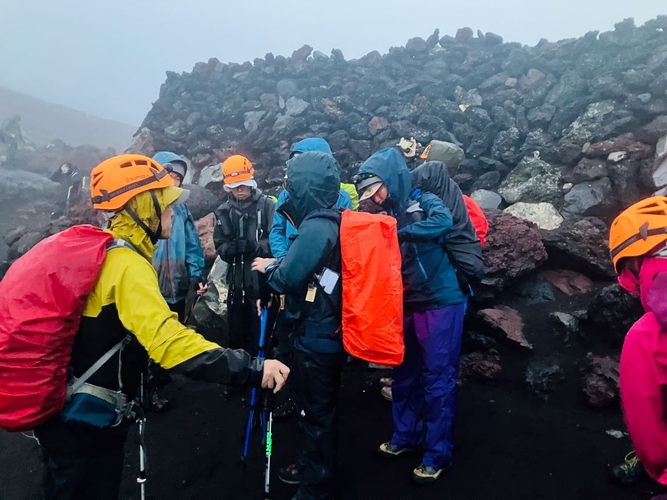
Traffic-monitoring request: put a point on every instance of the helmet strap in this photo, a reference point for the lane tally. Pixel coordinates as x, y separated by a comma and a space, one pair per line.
153, 235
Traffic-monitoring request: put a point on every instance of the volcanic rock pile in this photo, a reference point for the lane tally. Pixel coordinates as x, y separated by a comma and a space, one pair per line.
557, 138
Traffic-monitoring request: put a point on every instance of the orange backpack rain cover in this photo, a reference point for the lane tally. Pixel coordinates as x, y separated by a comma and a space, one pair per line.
372, 288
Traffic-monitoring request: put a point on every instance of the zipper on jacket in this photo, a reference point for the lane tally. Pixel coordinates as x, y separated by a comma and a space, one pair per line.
419, 261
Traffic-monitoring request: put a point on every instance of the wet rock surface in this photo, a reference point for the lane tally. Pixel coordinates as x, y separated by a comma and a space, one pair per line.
600, 381
508, 323
513, 248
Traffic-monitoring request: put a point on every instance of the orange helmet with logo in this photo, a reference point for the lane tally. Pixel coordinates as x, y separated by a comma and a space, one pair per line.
638, 230
117, 180
237, 170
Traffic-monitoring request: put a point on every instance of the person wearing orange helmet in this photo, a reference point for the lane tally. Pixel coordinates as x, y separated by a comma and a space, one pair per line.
136, 196
638, 248
241, 234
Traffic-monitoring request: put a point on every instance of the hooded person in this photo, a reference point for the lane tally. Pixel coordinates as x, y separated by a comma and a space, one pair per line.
179, 260
241, 234
67, 175
462, 244
452, 155
137, 197
282, 230
433, 304
638, 247
179, 263
282, 234
313, 183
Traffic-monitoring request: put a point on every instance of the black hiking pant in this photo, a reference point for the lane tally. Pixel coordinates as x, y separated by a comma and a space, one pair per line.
178, 308
318, 382
244, 325
81, 462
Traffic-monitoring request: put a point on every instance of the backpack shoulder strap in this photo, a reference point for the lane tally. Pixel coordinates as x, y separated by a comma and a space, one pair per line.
262, 219
332, 214
99, 363
120, 243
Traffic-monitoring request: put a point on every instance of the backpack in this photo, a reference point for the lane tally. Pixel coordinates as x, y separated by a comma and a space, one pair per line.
42, 298
263, 223
372, 314
465, 252
477, 218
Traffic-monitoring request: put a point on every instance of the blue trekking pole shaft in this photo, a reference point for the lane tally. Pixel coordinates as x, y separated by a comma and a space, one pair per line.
253, 393
262, 332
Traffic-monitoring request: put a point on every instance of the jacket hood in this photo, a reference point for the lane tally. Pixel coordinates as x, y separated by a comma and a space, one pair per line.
124, 227
313, 182
647, 278
165, 157
311, 144
389, 165
433, 176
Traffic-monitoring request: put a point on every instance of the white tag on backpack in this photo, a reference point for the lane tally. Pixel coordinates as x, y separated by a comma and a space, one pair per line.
328, 280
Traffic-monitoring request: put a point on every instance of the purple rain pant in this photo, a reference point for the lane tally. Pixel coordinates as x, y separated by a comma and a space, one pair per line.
424, 388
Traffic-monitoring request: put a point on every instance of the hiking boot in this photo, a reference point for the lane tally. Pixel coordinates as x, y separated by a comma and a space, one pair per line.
285, 410
631, 471
386, 393
386, 381
425, 474
390, 450
290, 474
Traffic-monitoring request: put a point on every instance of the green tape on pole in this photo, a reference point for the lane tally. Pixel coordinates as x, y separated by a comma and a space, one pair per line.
269, 443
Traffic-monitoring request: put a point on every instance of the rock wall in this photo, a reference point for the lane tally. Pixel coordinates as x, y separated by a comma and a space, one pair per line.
500, 101
561, 135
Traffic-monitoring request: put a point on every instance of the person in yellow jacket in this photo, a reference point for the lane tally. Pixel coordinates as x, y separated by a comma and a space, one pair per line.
84, 460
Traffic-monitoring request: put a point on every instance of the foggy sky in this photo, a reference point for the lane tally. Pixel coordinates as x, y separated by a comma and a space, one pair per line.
109, 58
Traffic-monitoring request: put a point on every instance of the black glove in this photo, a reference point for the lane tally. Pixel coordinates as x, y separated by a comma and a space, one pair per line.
230, 250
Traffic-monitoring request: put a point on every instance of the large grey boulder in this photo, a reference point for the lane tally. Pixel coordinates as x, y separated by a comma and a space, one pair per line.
544, 215
532, 181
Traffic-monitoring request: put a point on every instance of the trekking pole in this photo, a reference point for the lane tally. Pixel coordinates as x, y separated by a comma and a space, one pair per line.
268, 403
192, 308
141, 420
253, 393
69, 193
231, 283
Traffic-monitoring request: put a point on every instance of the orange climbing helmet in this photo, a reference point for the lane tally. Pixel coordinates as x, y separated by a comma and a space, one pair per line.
117, 180
238, 171
638, 230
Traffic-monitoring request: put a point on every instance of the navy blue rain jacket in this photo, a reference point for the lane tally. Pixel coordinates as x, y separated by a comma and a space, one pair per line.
429, 279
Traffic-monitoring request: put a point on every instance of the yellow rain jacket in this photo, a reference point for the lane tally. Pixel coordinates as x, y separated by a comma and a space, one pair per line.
354, 196
127, 298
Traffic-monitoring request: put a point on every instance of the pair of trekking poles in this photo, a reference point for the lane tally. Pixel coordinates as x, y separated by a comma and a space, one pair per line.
267, 400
